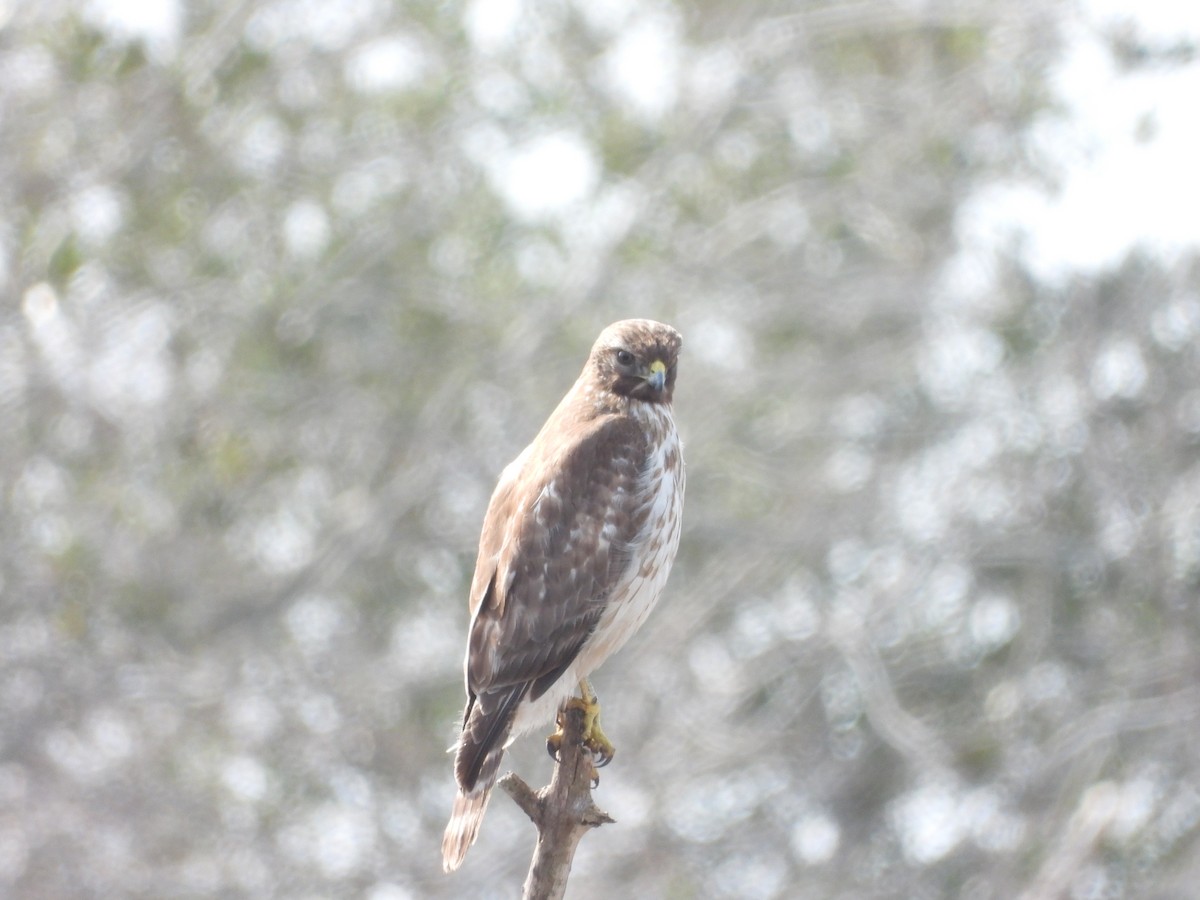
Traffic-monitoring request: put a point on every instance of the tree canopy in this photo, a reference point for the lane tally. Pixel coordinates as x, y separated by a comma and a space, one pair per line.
289, 282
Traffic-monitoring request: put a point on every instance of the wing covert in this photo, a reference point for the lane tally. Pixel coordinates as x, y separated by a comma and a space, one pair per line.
557, 538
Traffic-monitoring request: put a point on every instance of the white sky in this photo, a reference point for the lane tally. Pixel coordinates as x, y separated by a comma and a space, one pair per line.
1125, 156
157, 22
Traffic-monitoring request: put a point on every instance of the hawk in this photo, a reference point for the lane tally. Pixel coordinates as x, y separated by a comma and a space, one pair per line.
577, 543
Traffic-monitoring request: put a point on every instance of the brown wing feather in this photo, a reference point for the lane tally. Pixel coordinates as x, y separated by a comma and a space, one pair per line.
555, 541
569, 526
484, 731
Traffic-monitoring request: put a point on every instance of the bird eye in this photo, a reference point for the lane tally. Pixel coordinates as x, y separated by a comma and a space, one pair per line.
624, 358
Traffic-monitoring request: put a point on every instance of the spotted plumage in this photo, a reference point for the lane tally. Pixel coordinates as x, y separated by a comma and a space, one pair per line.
576, 547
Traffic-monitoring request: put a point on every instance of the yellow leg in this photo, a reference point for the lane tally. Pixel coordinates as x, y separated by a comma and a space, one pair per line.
594, 738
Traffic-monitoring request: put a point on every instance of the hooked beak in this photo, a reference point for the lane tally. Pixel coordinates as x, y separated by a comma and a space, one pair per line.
657, 378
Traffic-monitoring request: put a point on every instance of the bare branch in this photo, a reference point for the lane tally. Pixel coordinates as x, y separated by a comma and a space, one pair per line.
562, 812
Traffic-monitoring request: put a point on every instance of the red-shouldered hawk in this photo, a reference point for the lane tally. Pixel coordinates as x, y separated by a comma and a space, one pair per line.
577, 543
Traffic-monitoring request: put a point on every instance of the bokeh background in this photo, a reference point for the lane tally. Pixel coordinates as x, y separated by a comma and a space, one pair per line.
286, 283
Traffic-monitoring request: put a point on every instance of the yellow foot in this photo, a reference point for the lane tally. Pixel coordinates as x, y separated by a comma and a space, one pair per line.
594, 738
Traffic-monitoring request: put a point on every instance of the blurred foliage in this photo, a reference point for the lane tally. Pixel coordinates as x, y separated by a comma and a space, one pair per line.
285, 293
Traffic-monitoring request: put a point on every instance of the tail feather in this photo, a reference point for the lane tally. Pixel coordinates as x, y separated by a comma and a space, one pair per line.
467, 815
476, 763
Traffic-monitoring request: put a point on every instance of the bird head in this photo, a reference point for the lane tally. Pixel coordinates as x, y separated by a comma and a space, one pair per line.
637, 358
